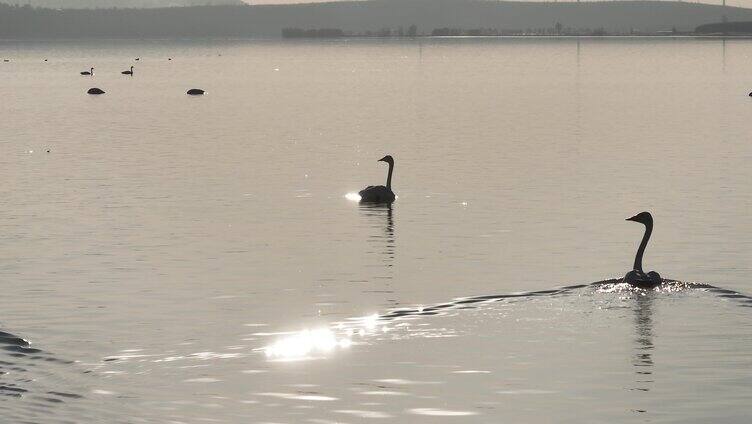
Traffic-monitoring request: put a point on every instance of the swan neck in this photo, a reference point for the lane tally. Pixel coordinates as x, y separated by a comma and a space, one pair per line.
643, 244
389, 176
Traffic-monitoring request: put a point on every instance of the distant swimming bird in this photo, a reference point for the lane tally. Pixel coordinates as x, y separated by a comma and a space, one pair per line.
138, 58
380, 194
195, 92
637, 276
95, 90
89, 72
128, 72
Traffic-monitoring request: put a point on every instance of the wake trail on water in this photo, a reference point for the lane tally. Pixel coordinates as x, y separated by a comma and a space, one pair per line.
610, 285
343, 334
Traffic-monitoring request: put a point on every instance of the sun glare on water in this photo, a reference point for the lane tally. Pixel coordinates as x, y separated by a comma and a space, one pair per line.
305, 343
308, 343
354, 197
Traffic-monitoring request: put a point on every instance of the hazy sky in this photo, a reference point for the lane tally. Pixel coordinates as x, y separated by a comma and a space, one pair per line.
107, 3
739, 3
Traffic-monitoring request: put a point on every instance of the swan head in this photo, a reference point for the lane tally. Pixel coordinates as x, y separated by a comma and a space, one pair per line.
642, 218
388, 159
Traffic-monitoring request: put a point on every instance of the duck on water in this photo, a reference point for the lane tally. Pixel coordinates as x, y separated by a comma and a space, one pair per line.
380, 194
637, 276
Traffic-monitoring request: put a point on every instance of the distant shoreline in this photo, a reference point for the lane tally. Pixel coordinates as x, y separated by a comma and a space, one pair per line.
568, 36
383, 19
417, 39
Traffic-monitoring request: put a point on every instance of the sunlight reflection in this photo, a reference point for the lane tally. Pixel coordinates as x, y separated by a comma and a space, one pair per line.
298, 396
355, 197
305, 343
314, 344
667, 286
440, 412
370, 321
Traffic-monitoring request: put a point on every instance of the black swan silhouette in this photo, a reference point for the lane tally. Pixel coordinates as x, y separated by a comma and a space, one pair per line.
637, 276
380, 194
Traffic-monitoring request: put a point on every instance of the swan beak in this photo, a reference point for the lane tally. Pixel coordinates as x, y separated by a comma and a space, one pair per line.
632, 218
382, 159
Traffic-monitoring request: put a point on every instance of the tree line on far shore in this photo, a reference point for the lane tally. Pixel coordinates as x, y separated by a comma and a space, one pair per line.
373, 18
412, 31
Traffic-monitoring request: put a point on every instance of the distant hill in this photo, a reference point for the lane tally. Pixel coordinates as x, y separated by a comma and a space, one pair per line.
358, 17
108, 4
729, 28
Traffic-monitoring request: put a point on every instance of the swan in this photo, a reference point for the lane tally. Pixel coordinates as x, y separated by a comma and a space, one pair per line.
380, 194
128, 72
637, 276
89, 72
195, 92
95, 90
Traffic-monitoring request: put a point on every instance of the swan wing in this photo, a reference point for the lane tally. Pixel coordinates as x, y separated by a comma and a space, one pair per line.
378, 194
371, 190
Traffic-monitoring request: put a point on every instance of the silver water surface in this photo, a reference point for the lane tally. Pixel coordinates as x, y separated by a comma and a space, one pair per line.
166, 241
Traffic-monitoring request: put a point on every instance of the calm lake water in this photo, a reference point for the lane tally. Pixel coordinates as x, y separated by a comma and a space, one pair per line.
177, 259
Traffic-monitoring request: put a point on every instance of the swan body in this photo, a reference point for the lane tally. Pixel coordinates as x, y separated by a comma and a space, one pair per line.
89, 72
380, 194
95, 90
195, 92
128, 72
376, 194
637, 277
642, 280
